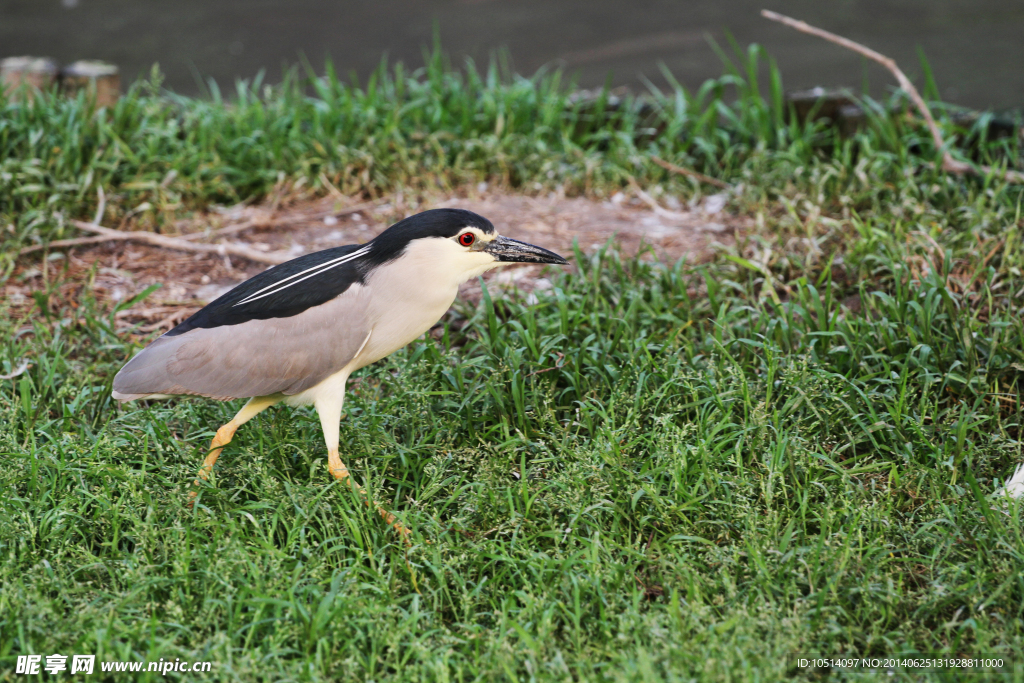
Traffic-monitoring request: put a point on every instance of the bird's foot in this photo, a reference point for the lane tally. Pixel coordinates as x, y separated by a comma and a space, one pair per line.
393, 522
338, 470
221, 439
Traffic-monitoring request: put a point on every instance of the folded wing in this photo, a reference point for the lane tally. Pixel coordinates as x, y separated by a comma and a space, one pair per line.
283, 331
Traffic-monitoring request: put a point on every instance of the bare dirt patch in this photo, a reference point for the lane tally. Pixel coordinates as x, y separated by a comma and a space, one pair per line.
115, 272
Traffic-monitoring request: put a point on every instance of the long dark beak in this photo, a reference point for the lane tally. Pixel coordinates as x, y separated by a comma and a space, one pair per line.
514, 251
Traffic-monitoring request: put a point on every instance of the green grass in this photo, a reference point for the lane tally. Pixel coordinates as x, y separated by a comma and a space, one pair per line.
158, 155
657, 472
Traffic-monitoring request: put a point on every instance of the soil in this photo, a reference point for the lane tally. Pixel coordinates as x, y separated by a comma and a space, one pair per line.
123, 269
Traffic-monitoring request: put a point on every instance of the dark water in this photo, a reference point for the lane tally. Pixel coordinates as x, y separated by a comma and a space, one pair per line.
975, 47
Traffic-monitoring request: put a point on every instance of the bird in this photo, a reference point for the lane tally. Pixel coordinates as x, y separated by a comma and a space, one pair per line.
296, 332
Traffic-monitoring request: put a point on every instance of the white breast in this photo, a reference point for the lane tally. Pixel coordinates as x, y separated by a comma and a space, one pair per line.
410, 294
404, 299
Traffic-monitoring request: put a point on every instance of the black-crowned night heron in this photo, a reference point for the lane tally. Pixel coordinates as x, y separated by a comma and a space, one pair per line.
297, 331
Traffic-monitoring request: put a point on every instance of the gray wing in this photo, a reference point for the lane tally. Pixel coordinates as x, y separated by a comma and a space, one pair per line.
254, 358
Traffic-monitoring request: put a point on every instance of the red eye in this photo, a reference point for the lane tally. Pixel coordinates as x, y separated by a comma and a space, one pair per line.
466, 239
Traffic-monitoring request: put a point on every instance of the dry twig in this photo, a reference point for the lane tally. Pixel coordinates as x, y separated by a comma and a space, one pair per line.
330, 186
355, 208
948, 162
179, 244
57, 244
655, 206
20, 370
184, 242
167, 317
168, 322
691, 173
101, 207
558, 365
233, 229
176, 243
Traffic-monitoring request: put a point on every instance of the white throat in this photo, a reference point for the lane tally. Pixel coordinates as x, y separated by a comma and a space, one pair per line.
411, 293
439, 260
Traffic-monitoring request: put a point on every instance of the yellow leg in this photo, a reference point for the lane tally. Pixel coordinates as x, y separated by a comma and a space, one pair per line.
328, 407
224, 435
337, 468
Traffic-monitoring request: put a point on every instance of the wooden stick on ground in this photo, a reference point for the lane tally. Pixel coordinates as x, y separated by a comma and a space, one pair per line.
176, 243
57, 244
101, 206
184, 243
691, 173
655, 206
20, 370
179, 244
229, 230
948, 162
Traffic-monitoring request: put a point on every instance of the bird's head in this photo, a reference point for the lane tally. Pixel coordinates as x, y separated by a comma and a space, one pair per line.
457, 242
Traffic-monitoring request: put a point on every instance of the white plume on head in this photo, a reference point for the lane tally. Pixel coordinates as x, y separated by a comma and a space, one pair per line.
1014, 488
